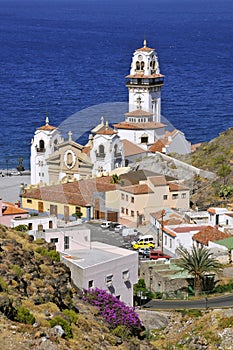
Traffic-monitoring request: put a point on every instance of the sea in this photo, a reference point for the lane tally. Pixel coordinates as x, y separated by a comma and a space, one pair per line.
67, 59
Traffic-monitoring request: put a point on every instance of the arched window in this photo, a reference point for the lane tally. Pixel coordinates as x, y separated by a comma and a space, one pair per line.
41, 147
137, 65
101, 153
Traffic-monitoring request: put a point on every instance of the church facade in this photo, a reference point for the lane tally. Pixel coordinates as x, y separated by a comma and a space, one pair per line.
55, 160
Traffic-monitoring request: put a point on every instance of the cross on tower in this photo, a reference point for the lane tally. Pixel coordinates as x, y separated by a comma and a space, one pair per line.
139, 103
70, 135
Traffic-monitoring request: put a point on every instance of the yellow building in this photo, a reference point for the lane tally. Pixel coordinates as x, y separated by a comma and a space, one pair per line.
66, 199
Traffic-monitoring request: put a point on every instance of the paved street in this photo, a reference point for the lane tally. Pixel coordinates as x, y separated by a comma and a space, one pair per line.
106, 236
203, 303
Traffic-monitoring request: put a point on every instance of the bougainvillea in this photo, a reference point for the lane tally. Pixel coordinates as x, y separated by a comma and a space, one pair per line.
114, 311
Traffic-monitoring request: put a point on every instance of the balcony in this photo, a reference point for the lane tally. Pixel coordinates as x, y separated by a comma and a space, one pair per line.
40, 150
100, 155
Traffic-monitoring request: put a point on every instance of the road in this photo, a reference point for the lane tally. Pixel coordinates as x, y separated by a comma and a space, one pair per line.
210, 302
106, 236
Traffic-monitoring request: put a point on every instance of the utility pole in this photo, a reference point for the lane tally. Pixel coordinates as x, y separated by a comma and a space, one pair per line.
162, 225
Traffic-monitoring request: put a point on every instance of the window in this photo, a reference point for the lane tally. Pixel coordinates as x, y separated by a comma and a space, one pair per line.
144, 139
77, 209
29, 201
108, 280
90, 284
165, 240
183, 195
175, 196
122, 210
125, 275
101, 153
122, 196
132, 213
132, 199
126, 197
66, 242
165, 197
54, 240
126, 211
170, 243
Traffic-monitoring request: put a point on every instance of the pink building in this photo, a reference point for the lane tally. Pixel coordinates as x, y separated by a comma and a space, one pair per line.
10, 211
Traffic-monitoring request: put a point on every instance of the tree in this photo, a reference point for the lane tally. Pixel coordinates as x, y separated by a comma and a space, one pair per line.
115, 179
197, 262
223, 171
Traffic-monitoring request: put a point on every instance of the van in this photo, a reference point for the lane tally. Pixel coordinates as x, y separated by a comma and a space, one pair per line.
106, 224
144, 239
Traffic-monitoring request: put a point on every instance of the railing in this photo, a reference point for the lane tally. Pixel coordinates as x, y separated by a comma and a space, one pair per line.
41, 150
100, 155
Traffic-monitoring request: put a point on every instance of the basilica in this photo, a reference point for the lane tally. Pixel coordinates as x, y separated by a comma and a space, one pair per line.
56, 160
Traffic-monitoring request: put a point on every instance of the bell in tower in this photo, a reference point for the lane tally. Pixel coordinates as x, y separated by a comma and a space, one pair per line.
145, 82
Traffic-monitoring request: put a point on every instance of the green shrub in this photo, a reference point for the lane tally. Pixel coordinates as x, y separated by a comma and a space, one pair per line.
226, 322
73, 317
122, 332
3, 285
59, 321
23, 315
21, 228
16, 269
53, 254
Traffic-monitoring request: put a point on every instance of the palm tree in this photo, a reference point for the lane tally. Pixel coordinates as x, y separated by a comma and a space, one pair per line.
197, 262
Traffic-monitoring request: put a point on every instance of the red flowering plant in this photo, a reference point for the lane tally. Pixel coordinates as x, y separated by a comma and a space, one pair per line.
114, 311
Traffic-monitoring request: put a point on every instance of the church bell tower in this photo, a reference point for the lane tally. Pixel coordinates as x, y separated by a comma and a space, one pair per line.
145, 83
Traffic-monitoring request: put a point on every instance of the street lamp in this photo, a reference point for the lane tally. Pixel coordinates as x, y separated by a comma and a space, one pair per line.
151, 278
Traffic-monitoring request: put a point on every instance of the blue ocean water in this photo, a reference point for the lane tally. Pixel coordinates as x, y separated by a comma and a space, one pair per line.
61, 56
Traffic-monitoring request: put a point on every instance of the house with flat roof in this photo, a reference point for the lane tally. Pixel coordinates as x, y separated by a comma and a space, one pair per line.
106, 267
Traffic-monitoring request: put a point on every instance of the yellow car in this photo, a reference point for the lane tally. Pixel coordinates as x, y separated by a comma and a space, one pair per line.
143, 245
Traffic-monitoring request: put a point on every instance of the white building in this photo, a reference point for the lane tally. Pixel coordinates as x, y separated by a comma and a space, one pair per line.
44, 143
106, 267
106, 150
36, 223
142, 125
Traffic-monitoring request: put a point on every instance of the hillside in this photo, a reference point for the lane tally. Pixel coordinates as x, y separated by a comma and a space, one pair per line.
36, 297
215, 156
36, 294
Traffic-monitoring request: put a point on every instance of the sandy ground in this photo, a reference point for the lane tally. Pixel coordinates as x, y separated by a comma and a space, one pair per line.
10, 187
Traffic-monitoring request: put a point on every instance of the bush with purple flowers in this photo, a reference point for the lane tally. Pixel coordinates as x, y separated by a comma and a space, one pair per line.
114, 311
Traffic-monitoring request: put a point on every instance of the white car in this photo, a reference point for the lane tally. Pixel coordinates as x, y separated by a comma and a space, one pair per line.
119, 227
106, 224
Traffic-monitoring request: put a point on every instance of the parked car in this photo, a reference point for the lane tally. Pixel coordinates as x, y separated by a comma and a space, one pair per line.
143, 245
144, 238
144, 252
158, 254
113, 225
105, 224
119, 228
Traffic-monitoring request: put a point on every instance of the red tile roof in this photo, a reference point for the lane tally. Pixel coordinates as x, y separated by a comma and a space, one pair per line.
137, 189
139, 76
138, 113
177, 187
168, 231
47, 128
183, 229
76, 193
158, 146
131, 149
11, 209
209, 233
139, 126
